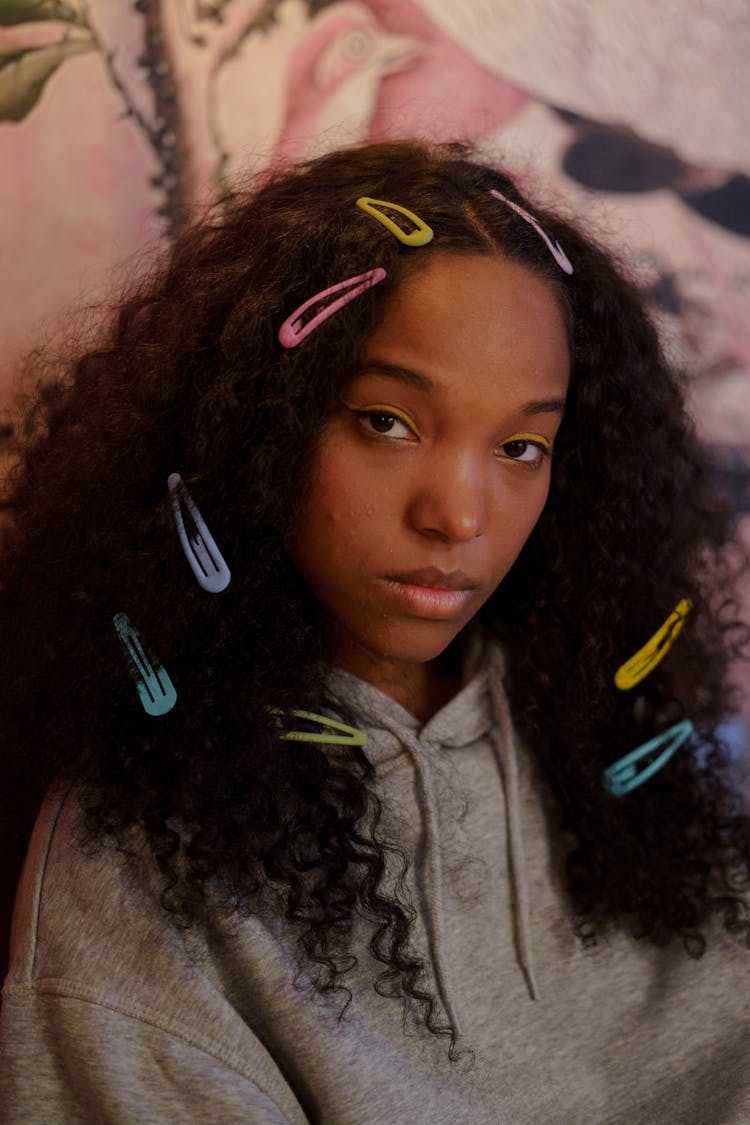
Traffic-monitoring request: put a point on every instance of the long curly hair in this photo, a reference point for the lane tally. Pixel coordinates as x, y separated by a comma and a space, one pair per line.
190, 377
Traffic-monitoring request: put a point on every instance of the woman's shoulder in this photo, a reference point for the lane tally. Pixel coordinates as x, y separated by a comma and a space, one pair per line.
77, 901
99, 973
93, 948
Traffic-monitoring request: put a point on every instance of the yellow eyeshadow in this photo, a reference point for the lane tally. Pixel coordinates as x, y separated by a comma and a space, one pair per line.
539, 439
381, 408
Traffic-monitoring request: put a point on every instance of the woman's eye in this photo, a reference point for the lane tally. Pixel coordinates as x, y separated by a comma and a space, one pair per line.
528, 452
381, 422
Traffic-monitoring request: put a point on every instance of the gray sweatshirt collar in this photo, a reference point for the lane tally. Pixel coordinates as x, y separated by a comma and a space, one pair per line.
480, 709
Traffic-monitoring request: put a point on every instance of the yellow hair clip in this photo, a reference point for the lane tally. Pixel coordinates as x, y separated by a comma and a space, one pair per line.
420, 236
655, 649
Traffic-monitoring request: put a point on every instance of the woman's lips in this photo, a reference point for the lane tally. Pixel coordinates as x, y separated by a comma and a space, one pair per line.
436, 579
432, 593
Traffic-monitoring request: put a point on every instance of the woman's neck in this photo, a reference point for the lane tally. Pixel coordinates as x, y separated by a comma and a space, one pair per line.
421, 688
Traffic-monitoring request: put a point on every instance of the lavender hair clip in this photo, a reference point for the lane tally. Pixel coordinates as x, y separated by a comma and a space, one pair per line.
553, 246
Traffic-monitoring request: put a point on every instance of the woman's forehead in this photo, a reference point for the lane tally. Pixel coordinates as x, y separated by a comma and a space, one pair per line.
473, 317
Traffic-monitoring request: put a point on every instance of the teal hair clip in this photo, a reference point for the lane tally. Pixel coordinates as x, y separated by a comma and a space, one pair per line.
420, 236
205, 559
349, 736
622, 777
155, 689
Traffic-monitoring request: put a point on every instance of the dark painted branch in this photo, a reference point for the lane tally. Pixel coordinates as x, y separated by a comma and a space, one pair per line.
166, 135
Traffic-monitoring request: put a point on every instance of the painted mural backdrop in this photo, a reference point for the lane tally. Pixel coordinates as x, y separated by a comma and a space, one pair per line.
119, 119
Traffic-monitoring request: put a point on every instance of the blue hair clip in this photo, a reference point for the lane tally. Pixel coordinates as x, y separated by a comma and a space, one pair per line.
349, 736
205, 559
155, 689
622, 777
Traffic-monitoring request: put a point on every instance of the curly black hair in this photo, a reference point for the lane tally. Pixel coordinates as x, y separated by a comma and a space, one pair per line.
190, 377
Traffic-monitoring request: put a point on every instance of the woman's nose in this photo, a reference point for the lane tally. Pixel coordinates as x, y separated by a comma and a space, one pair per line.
450, 503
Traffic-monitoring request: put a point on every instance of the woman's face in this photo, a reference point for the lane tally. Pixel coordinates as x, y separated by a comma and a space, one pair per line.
433, 470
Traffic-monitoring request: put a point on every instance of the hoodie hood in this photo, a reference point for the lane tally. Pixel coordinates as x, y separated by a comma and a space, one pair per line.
477, 715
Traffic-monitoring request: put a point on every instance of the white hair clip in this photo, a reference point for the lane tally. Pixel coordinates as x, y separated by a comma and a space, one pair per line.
205, 559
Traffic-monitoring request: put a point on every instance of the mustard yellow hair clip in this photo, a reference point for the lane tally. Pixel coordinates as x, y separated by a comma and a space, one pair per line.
420, 236
655, 649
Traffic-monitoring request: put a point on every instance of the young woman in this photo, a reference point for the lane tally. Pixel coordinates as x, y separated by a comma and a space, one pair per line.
366, 622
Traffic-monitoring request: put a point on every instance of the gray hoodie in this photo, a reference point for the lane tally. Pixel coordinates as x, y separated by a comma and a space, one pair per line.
112, 1015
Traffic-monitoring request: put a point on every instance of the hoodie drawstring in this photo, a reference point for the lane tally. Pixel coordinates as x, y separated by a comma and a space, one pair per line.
435, 924
503, 744
505, 747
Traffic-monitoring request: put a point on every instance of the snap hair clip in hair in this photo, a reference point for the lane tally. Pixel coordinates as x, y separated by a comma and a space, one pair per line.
622, 777
655, 649
205, 559
553, 246
349, 736
155, 689
420, 236
293, 331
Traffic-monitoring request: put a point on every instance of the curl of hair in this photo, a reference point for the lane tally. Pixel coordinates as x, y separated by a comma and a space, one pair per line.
190, 377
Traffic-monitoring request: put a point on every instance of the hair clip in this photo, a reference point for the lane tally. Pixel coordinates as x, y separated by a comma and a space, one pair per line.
420, 236
293, 332
350, 736
553, 246
205, 559
622, 777
155, 689
655, 649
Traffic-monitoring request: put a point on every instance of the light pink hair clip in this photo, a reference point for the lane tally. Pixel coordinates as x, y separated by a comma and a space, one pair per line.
293, 332
553, 246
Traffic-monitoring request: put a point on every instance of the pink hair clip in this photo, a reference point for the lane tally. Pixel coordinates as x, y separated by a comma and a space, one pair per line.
293, 332
553, 246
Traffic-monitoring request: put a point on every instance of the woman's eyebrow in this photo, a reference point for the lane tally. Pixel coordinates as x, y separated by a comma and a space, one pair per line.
372, 366
422, 382
544, 406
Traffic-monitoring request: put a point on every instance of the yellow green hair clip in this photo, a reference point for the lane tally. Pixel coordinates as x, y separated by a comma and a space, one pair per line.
349, 736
